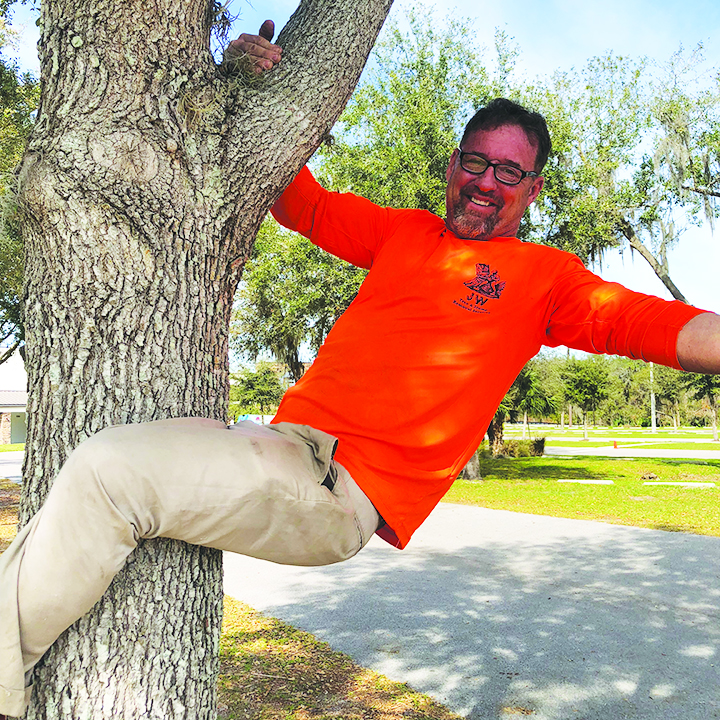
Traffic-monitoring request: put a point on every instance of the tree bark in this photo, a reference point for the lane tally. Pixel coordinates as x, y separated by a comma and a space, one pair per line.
495, 434
145, 180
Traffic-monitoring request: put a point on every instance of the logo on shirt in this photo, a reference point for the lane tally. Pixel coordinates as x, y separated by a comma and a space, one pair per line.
486, 285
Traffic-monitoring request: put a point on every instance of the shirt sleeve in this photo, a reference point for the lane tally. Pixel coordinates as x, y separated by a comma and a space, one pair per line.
590, 314
346, 225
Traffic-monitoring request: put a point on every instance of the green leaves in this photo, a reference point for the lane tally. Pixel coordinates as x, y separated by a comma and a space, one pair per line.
291, 295
255, 391
394, 140
19, 96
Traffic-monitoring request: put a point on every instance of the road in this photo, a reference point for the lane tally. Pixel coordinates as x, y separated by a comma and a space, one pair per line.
502, 615
11, 465
635, 452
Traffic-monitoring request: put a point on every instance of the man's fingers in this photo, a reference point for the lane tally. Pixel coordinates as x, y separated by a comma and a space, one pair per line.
256, 51
256, 47
267, 30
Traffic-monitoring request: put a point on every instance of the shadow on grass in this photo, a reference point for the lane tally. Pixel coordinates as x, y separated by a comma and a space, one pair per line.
500, 615
539, 469
268, 669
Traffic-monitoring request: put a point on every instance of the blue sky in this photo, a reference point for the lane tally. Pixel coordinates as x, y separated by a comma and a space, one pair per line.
560, 34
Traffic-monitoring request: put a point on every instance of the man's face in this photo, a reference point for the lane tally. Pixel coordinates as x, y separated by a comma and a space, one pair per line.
478, 206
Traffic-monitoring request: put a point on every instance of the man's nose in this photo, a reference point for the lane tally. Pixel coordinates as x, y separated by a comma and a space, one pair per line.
486, 180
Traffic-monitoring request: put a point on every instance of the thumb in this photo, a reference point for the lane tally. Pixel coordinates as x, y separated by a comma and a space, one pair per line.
267, 30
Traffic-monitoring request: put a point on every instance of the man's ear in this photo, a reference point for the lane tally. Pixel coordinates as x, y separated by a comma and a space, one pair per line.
537, 186
451, 165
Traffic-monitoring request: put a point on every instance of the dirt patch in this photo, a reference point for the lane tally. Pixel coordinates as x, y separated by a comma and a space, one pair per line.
9, 503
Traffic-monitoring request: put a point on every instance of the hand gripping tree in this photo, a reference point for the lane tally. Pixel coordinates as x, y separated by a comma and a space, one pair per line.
145, 180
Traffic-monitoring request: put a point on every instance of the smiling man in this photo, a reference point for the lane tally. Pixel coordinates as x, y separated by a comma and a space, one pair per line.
374, 434
483, 204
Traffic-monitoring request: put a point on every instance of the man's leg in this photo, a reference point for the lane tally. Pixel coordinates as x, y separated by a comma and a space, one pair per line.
252, 490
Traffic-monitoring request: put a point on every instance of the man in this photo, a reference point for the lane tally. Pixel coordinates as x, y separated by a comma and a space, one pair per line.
376, 431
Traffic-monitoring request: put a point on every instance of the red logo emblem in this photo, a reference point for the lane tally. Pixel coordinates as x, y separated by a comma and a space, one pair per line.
486, 285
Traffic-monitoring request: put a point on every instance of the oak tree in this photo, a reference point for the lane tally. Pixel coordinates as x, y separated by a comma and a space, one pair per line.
146, 177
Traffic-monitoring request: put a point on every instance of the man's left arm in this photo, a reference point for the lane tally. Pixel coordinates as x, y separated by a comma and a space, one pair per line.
698, 344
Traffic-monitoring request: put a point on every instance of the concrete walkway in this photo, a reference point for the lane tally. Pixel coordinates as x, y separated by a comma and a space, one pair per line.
505, 615
634, 452
11, 465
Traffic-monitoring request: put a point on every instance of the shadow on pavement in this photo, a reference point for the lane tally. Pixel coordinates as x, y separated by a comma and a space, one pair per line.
503, 615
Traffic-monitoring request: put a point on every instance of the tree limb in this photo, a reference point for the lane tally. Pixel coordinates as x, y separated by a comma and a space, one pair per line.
702, 191
8, 353
637, 244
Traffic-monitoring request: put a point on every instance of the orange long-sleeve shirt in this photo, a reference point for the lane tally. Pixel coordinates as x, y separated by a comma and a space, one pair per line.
410, 376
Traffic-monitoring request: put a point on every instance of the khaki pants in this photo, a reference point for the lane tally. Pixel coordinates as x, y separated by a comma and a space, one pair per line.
250, 489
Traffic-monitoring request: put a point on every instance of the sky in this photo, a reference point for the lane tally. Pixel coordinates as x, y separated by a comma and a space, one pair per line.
559, 34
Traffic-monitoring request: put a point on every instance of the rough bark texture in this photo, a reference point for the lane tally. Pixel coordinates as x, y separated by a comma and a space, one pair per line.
145, 181
495, 433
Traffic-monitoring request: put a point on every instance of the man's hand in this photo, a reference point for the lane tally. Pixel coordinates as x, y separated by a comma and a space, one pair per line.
255, 52
698, 344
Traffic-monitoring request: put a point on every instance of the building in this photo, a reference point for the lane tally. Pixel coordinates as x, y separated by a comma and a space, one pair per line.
13, 400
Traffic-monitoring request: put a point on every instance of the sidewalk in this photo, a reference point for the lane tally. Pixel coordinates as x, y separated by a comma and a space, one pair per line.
11, 465
504, 615
625, 452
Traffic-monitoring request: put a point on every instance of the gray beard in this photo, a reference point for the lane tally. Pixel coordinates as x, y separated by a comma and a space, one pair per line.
473, 228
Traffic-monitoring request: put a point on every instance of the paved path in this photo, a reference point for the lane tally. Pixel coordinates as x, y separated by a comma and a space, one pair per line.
11, 465
490, 610
610, 451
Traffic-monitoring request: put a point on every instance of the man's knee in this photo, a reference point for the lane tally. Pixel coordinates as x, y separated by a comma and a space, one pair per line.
98, 467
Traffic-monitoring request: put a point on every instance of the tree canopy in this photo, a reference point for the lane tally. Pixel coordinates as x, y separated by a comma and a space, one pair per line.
636, 158
18, 100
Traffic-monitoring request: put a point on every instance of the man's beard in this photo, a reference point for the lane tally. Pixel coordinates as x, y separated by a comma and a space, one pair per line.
471, 227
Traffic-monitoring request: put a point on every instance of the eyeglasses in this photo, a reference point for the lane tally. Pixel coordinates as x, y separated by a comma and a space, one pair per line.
506, 174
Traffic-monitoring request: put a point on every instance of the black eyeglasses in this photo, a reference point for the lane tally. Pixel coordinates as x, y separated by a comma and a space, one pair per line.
506, 174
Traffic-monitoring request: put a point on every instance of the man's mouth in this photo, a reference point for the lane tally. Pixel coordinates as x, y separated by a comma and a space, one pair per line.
482, 201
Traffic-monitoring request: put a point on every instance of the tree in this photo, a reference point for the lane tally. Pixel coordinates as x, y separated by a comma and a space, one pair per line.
635, 159
707, 388
669, 390
18, 101
532, 397
394, 140
146, 177
291, 295
255, 391
586, 383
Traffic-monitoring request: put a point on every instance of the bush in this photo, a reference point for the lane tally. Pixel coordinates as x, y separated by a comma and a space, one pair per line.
537, 446
524, 448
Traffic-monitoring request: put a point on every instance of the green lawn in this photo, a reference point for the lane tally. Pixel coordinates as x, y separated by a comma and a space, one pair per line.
530, 485
9, 448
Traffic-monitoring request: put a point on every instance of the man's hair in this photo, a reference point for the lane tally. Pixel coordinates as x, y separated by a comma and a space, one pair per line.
501, 112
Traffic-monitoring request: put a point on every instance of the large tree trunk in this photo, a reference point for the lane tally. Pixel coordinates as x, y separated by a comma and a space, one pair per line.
144, 183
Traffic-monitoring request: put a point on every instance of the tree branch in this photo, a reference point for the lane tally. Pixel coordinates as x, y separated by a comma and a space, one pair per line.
325, 47
629, 232
8, 353
702, 191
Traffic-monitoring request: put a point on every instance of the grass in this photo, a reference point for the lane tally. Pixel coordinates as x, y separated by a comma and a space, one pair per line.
530, 485
271, 671
11, 448
9, 502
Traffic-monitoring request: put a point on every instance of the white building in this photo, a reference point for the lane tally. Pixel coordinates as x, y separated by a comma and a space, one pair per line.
13, 399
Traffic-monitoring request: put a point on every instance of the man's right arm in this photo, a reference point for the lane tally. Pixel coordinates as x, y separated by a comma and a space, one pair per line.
346, 225
698, 344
